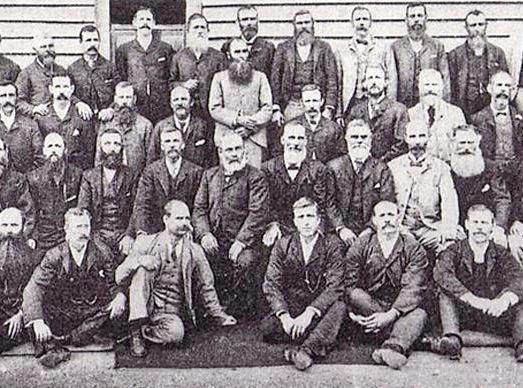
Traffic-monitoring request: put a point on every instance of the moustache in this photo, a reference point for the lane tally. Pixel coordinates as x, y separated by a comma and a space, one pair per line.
430, 93
9, 103
502, 94
92, 48
62, 97
361, 28
145, 27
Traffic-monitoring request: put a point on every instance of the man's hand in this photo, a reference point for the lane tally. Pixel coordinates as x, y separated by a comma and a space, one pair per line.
481, 304
447, 233
125, 245
277, 117
271, 235
498, 236
347, 236
358, 319
229, 321
41, 109
328, 113
498, 306
301, 323
287, 323
117, 306
42, 331
236, 248
243, 132
15, 325
341, 122
31, 243
517, 228
377, 321
84, 110
191, 83
209, 243
246, 121
106, 114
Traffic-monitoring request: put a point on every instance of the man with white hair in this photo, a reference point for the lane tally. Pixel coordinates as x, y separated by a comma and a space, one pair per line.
439, 116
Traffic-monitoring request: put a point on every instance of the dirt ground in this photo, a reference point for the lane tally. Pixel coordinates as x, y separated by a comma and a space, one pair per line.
493, 367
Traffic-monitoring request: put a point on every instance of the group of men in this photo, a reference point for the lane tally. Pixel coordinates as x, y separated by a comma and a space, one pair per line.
332, 194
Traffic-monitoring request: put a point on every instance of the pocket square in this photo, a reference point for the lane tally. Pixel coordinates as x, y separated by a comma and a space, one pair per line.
485, 188
76, 132
377, 186
161, 59
109, 81
73, 197
199, 143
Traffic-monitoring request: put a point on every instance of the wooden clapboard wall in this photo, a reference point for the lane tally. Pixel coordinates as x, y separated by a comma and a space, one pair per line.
333, 19
62, 19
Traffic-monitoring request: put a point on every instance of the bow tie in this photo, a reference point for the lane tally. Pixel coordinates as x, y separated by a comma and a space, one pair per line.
293, 167
364, 42
313, 122
504, 114
416, 164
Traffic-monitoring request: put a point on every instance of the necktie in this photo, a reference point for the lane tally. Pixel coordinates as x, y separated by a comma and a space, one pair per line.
432, 114
360, 41
418, 163
293, 167
501, 114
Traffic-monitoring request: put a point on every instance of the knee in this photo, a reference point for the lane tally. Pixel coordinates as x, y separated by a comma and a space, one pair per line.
418, 316
356, 296
246, 259
170, 329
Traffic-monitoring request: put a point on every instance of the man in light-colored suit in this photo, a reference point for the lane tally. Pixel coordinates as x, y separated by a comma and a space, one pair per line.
439, 116
241, 100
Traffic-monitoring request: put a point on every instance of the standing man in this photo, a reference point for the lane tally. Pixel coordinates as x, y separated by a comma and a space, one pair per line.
20, 132
230, 211
304, 287
9, 70
416, 52
261, 51
472, 64
145, 62
240, 100
300, 61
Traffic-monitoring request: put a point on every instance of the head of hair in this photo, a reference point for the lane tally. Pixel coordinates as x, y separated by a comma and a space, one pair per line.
61, 74
124, 85
376, 65
88, 28
9, 83
360, 8
196, 16
416, 124
227, 135
75, 212
305, 202
479, 208
430, 73
8, 210
415, 5
248, 7
310, 88
110, 131
167, 130
169, 207
384, 202
292, 124
144, 8
235, 40
357, 123
497, 74
474, 12
302, 12
465, 128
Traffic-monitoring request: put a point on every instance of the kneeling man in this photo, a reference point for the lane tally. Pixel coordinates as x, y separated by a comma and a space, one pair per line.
304, 287
386, 282
164, 269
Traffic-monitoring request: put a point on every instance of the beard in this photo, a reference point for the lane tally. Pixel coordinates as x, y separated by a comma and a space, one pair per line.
198, 43
294, 155
15, 258
417, 30
241, 72
304, 37
47, 58
112, 160
54, 166
249, 32
467, 165
181, 112
359, 153
232, 166
124, 115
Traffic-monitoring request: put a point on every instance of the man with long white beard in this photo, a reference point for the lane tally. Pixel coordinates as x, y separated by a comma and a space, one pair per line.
54, 189
240, 100
16, 265
195, 65
439, 116
299, 61
135, 129
230, 212
360, 182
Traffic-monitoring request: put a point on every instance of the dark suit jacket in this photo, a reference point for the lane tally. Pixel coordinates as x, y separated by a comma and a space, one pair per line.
484, 120
233, 210
313, 181
327, 142
14, 192
388, 126
154, 191
406, 269
454, 276
377, 186
261, 54
325, 72
516, 196
291, 285
91, 195
459, 70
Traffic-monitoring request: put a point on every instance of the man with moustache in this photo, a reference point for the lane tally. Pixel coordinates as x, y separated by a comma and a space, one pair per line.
135, 129
162, 271
261, 51
54, 189
171, 177
240, 100
71, 296
34, 81
386, 280
291, 176
324, 136
17, 263
196, 136
425, 193
93, 75
416, 52
360, 182
440, 116
304, 285
20, 132
385, 117
145, 62
9, 70
63, 118
472, 64
107, 191
230, 212
300, 61
194, 66
364, 50
481, 289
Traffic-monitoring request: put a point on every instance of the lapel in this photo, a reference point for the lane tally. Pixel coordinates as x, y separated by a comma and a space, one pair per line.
182, 174
303, 173
163, 176
398, 247
490, 123
366, 169
295, 252
190, 128
516, 119
317, 251
91, 254
234, 178
315, 53
65, 253
490, 258
290, 56
281, 171
98, 184
120, 180
162, 246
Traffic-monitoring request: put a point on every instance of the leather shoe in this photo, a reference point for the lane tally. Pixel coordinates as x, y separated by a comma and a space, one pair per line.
138, 348
450, 345
299, 357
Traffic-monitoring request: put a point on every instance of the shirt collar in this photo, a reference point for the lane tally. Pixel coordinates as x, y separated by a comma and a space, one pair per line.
78, 256
182, 124
7, 119
422, 161
173, 168
251, 41
496, 111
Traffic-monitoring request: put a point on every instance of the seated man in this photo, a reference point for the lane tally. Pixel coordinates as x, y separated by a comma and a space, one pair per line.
304, 287
69, 297
17, 262
165, 270
386, 281
481, 289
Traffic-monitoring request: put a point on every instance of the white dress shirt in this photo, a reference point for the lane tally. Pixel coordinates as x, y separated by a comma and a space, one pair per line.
173, 168
7, 120
307, 248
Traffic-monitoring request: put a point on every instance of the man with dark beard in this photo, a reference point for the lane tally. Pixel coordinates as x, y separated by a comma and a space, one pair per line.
415, 52
301, 61
472, 64
241, 101
54, 188
107, 191
16, 265
261, 51
196, 136
135, 129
